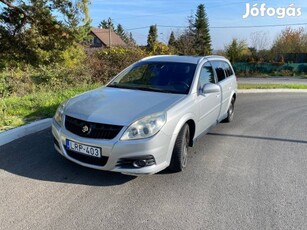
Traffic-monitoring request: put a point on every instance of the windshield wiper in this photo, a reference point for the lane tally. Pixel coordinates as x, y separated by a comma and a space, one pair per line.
121, 87
152, 89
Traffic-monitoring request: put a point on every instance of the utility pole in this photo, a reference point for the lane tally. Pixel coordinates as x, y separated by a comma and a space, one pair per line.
110, 22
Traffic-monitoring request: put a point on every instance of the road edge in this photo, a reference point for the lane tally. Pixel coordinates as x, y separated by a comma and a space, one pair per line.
272, 91
18, 132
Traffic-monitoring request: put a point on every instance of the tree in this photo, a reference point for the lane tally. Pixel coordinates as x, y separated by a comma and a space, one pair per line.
152, 37
131, 39
235, 49
202, 43
259, 40
290, 41
120, 32
32, 33
185, 41
185, 44
195, 40
106, 24
172, 39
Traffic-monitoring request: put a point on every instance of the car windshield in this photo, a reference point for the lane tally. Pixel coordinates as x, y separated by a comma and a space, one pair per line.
165, 77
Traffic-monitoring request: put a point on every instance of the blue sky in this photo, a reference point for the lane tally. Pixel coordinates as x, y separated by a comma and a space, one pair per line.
135, 14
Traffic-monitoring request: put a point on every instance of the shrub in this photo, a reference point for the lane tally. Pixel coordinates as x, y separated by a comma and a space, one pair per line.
73, 56
105, 64
20, 82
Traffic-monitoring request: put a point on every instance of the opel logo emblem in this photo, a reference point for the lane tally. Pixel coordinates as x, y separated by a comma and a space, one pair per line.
85, 129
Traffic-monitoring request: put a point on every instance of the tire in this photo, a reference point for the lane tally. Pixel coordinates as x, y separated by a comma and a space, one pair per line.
180, 151
230, 112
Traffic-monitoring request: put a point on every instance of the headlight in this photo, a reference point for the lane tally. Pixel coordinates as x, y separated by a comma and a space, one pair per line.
145, 127
58, 117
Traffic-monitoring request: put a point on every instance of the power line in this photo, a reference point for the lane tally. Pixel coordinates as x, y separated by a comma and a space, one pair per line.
223, 27
138, 28
278, 25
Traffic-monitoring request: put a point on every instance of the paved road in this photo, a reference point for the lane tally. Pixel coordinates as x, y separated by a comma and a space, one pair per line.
273, 80
250, 174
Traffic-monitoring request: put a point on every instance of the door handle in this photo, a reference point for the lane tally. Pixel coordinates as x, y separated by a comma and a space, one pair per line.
218, 95
230, 88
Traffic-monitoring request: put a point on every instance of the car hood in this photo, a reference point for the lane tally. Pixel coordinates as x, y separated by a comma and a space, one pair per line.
119, 106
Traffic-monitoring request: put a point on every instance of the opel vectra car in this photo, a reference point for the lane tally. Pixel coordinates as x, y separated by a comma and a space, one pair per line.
146, 118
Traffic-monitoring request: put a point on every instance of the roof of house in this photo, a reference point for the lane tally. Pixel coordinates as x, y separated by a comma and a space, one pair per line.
103, 35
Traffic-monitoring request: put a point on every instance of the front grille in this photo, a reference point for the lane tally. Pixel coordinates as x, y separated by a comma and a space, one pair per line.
88, 159
91, 129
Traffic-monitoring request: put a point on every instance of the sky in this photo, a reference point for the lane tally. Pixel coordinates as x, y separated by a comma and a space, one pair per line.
137, 15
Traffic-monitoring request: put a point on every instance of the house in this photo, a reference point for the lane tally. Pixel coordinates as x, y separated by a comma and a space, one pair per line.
102, 38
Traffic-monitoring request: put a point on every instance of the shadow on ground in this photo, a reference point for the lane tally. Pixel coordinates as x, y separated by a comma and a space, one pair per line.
34, 157
259, 138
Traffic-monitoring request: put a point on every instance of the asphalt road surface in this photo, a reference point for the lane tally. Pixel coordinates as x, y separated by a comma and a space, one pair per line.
273, 80
249, 174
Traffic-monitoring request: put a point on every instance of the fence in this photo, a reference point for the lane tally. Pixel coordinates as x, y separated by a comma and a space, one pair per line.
270, 68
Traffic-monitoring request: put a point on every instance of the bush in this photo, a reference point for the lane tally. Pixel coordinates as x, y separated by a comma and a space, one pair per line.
302, 68
106, 64
161, 49
73, 56
20, 82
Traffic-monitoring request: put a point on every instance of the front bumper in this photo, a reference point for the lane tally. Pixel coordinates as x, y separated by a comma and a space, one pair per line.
115, 151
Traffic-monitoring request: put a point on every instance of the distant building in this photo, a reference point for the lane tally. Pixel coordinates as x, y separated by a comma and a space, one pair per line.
103, 38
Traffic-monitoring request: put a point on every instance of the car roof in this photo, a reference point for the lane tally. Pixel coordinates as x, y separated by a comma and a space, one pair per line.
179, 58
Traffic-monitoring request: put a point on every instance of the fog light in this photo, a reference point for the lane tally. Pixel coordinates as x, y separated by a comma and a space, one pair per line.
136, 162
139, 163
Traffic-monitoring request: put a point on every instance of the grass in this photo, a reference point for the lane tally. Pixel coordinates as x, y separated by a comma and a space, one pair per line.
272, 86
16, 111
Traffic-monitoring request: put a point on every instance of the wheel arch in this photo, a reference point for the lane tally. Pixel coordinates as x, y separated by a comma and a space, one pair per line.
234, 95
192, 128
186, 119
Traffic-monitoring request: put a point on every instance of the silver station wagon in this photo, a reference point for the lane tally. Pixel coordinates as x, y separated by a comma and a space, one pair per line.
146, 118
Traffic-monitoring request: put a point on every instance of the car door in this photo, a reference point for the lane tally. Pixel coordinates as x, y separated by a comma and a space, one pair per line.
225, 82
208, 103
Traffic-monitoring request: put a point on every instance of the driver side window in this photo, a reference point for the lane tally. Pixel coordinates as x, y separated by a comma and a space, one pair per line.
206, 75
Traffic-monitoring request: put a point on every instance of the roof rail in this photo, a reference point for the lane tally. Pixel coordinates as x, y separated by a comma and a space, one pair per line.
149, 57
216, 56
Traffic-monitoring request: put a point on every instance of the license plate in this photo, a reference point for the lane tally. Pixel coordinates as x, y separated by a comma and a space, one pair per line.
84, 149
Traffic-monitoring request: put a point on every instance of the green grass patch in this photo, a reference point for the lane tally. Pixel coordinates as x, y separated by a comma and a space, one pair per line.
272, 86
16, 111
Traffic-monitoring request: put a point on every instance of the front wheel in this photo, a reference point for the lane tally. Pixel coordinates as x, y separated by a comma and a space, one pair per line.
180, 152
230, 112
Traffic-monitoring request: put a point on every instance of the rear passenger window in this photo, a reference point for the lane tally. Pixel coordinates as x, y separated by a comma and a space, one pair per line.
222, 69
218, 66
206, 75
228, 69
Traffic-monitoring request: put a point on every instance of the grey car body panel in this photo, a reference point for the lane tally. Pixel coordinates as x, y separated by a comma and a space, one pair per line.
124, 106
119, 106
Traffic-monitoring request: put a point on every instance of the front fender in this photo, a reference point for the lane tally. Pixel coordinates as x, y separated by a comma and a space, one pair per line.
178, 127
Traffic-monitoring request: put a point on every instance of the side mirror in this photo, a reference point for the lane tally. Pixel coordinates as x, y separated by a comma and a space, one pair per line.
210, 88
